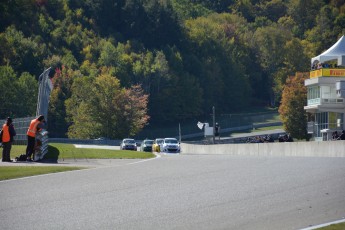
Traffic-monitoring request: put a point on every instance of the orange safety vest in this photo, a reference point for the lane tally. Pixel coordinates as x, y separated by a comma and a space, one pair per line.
5, 133
33, 128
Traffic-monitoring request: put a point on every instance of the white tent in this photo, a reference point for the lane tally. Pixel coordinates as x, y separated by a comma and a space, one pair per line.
336, 52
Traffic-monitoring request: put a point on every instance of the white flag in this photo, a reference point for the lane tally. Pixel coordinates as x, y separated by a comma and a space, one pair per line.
200, 125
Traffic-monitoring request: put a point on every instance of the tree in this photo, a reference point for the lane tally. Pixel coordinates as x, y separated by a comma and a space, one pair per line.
131, 112
100, 107
27, 87
186, 9
8, 91
62, 82
22, 53
18, 96
291, 110
269, 46
215, 51
303, 12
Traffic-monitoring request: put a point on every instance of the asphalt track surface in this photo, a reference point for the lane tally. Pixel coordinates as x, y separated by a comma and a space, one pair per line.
179, 192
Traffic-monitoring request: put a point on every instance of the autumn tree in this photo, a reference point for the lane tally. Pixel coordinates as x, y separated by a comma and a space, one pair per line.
62, 83
291, 110
100, 107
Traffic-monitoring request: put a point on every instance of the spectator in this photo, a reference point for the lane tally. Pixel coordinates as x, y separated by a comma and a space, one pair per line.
7, 134
35, 125
335, 135
342, 136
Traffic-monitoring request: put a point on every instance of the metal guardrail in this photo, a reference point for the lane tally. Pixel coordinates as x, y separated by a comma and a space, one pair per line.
85, 142
184, 137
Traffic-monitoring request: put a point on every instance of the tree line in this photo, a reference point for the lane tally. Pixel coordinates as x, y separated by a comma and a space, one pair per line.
121, 64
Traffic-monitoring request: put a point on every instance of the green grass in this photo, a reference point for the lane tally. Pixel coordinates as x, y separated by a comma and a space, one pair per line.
340, 226
267, 128
256, 130
11, 172
68, 151
17, 150
64, 151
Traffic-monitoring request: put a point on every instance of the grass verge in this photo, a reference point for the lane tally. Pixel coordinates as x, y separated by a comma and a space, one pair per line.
68, 151
12, 172
257, 129
340, 226
64, 151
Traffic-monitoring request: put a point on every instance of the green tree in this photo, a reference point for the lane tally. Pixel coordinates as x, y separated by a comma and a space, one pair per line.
18, 96
27, 87
295, 59
79, 110
22, 53
219, 69
269, 49
62, 84
186, 9
291, 109
8, 91
303, 13
100, 107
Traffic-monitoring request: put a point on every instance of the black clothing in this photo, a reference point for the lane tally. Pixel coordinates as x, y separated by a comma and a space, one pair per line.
342, 137
6, 151
6, 146
12, 132
30, 147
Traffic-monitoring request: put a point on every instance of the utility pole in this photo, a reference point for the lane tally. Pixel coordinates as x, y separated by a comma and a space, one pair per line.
214, 122
179, 132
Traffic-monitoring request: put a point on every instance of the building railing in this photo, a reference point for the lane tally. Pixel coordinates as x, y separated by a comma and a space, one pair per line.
315, 101
327, 72
320, 101
332, 100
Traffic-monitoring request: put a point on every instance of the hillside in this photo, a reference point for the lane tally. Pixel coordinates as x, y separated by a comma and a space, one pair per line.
183, 56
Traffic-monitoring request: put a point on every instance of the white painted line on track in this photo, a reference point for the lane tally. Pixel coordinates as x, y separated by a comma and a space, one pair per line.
141, 161
96, 147
324, 225
81, 165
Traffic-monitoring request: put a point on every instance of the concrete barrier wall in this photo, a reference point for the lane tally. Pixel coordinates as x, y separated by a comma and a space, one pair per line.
315, 148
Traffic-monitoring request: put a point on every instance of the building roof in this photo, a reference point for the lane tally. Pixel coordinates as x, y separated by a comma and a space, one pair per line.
333, 53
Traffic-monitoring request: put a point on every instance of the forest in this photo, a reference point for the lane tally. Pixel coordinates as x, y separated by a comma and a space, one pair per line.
121, 64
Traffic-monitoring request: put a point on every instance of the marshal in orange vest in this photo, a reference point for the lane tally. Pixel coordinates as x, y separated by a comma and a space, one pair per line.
33, 128
5, 133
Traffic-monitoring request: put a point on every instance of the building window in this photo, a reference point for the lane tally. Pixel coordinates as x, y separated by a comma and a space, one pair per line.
313, 92
325, 92
328, 120
313, 95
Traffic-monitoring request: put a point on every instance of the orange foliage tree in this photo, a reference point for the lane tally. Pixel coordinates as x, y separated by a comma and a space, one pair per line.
291, 108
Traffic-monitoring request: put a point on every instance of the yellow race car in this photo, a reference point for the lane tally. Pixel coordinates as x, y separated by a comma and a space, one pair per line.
157, 143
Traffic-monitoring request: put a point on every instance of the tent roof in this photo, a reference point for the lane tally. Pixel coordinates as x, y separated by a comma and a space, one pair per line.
337, 50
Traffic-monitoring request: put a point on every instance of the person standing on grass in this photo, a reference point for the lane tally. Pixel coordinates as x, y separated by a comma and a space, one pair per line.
35, 125
7, 134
